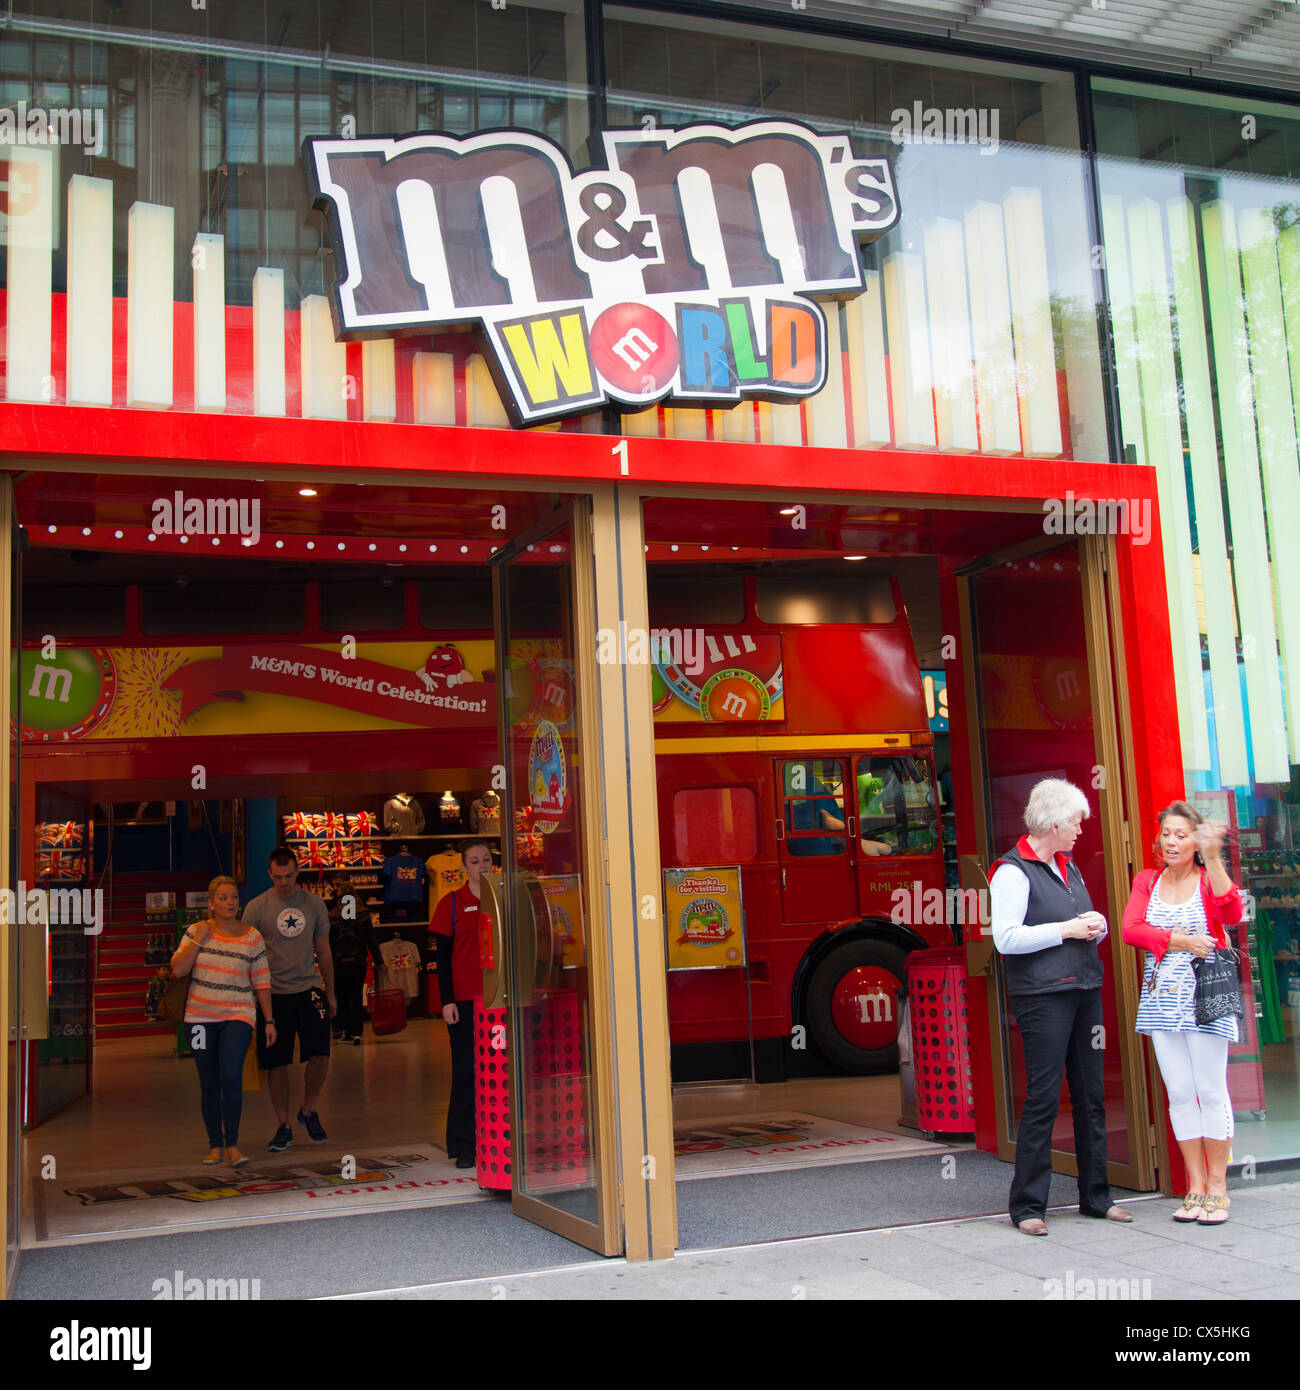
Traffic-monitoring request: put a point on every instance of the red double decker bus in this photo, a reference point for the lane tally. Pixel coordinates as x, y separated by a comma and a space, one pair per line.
797, 749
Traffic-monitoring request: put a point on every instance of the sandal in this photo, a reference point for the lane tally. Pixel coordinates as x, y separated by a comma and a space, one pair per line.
1191, 1207
1032, 1226
1214, 1211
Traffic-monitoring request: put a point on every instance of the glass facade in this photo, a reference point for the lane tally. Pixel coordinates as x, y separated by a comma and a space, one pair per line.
1200, 201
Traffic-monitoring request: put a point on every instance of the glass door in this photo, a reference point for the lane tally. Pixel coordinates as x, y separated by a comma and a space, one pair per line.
552, 891
11, 1112
1044, 680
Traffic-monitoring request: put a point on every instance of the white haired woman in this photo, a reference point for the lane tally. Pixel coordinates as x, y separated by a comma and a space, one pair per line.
1046, 929
1180, 913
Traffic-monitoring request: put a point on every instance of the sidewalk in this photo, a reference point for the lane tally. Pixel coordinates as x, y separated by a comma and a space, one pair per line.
1254, 1256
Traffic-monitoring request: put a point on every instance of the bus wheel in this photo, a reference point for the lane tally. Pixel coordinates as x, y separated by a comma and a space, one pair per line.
851, 1006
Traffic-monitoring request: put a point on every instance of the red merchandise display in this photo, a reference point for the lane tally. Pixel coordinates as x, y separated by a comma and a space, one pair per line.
492, 1097
557, 1118
945, 1093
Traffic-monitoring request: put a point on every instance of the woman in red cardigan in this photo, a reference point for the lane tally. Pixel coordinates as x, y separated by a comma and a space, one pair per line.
1179, 913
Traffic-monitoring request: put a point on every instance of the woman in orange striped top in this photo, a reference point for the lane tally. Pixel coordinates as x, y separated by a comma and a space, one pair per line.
229, 980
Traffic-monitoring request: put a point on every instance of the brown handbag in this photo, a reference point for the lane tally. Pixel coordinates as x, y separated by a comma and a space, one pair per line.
175, 997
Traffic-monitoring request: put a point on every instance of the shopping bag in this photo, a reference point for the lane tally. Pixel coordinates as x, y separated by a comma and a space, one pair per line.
387, 1011
252, 1072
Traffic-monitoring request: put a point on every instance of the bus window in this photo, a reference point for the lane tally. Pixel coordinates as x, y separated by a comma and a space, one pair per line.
896, 812
813, 794
715, 825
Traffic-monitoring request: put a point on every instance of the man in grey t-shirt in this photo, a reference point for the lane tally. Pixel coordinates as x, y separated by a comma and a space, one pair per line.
295, 926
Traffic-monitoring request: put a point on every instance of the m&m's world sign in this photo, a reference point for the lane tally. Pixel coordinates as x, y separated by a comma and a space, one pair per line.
686, 270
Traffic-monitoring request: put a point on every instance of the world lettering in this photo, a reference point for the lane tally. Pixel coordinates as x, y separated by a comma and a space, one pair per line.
686, 270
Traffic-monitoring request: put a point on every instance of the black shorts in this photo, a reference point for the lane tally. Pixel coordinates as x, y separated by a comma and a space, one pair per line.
305, 1016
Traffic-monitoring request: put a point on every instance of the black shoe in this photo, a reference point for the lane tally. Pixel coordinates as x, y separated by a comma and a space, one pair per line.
466, 1161
311, 1123
356, 1042
283, 1140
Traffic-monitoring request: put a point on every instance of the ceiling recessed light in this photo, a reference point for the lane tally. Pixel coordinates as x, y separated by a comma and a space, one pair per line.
307, 492
789, 511
855, 557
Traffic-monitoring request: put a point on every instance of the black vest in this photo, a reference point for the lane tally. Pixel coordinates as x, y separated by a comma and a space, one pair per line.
1073, 964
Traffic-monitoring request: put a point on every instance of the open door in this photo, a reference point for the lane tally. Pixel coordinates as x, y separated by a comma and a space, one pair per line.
552, 894
1043, 688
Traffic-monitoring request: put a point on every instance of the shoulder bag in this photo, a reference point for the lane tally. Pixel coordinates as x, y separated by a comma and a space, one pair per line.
1218, 987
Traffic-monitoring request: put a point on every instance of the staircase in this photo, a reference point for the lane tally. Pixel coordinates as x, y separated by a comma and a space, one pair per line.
122, 974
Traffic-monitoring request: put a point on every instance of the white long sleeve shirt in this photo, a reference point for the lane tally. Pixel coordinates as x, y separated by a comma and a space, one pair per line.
1008, 902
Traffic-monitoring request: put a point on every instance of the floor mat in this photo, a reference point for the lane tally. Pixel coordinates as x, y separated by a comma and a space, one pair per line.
301, 1184
790, 1139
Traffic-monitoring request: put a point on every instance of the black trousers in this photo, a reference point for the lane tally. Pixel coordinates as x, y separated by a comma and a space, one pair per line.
349, 982
461, 1136
1060, 1032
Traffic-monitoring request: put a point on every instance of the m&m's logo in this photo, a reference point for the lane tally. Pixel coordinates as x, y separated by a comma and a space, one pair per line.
687, 269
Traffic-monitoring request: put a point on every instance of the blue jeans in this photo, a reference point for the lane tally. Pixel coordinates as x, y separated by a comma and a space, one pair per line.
220, 1063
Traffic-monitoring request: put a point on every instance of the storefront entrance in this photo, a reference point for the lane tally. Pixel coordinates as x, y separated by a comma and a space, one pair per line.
1046, 695
245, 704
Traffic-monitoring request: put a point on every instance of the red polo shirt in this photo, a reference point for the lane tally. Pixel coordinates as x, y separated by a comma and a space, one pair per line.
462, 917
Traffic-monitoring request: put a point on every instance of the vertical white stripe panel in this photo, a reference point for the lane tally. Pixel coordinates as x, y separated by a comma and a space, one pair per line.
1165, 439
1245, 496
868, 376
90, 291
29, 278
997, 408
150, 269
1040, 406
686, 424
642, 424
1288, 258
828, 425
379, 380
268, 342
945, 282
1275, 411
324, 362
1212, 545
787, 424
737, 424
909, 350
208, 259
433, 383
484, 405
1120, 290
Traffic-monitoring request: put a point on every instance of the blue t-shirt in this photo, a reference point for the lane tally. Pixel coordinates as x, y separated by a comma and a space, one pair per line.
404, 876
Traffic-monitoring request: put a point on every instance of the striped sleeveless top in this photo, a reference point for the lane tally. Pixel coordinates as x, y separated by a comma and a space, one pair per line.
1167, 1001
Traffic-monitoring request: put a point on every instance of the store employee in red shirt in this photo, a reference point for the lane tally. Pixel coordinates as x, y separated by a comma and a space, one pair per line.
462, 937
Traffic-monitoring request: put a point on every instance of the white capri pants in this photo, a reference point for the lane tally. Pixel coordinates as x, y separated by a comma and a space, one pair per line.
1194, 1067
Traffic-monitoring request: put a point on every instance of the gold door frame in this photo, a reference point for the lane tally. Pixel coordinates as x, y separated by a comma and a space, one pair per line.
1113, 754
